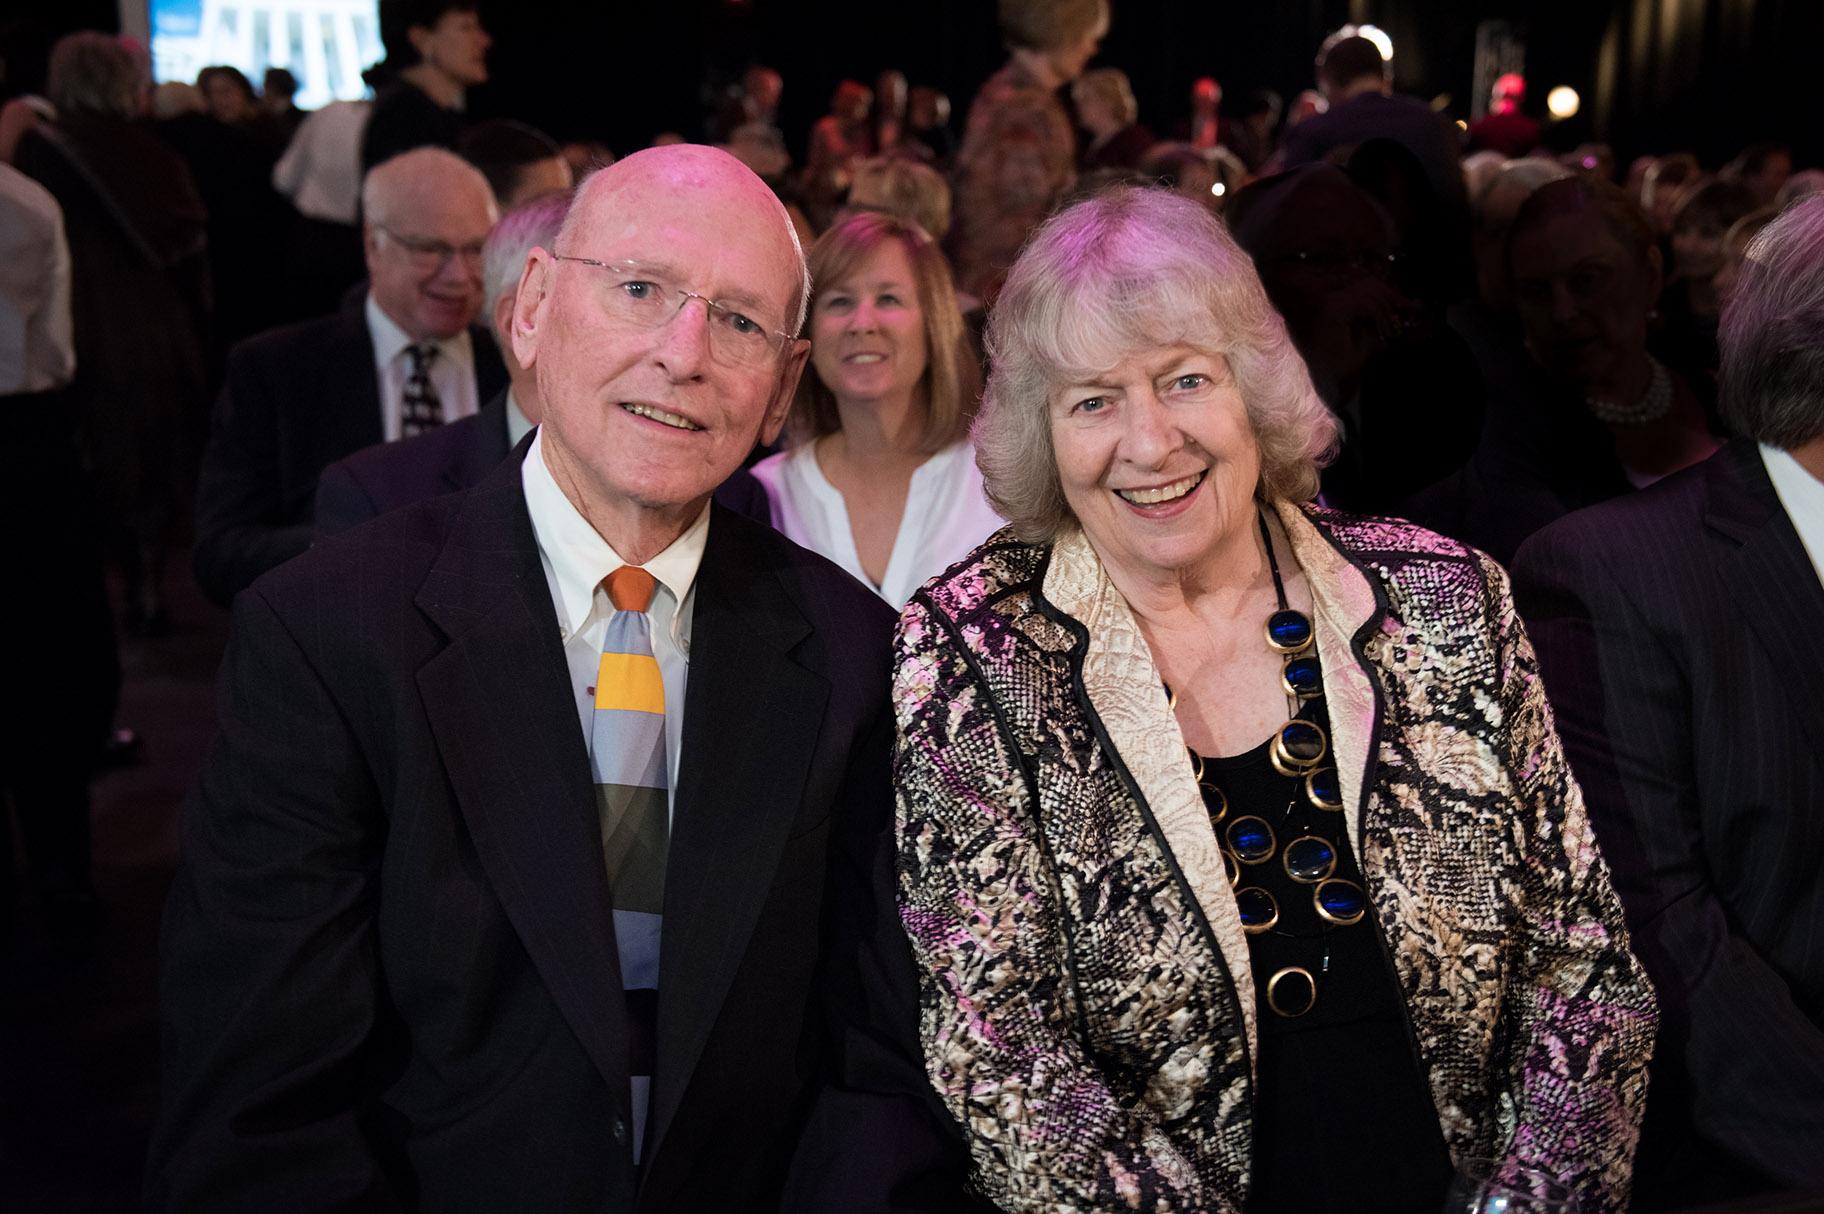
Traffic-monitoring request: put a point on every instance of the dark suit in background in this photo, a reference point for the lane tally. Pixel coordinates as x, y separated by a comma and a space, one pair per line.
294, 401
384, 478
1681, 635
389, 965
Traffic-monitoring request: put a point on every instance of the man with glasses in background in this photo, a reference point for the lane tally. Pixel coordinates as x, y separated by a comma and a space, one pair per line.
401, 360
536, 857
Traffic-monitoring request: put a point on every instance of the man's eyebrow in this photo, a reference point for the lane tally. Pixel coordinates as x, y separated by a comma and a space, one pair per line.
735, 295
742, 296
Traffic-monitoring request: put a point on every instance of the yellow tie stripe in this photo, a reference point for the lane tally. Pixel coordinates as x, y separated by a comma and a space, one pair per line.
630, 682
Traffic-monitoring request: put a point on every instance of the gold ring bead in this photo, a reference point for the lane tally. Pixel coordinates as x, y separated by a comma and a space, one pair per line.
1339, 901
1251, 839
1216, 802
1230, 868
1302, 678
1324, 789
1258, 909
1298, 747
1292, 978
1309, 859
1289, 631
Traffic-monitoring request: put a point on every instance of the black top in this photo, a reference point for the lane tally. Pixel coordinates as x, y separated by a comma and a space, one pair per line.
1343, 1119
404, 117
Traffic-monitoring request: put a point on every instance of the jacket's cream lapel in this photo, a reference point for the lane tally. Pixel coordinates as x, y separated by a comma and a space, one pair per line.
1125, 690
1342, 601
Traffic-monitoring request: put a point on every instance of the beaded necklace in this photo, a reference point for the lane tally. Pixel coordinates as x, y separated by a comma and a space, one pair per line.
1314, 806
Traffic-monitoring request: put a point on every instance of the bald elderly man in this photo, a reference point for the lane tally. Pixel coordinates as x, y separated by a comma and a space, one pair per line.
532, 867
401, 360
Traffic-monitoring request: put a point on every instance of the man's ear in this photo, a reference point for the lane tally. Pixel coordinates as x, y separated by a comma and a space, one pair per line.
529, 306
780, 407
370, 247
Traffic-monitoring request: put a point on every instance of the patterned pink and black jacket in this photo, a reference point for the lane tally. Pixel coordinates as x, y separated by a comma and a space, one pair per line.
1087, 1006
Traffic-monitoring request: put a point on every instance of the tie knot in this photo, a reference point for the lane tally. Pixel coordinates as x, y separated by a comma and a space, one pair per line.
630, 588
421, 356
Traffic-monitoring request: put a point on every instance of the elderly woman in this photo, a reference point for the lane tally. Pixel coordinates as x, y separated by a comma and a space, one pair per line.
880, 476
1240, 862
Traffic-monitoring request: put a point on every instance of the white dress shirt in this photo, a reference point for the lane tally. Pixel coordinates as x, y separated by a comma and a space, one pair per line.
947, 515
576, 558
452, 372
37, 346
1802, 494
321, 168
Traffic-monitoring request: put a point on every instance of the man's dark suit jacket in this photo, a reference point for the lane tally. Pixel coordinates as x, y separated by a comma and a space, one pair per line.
1681, 635
293, 401
387, 477
389, 969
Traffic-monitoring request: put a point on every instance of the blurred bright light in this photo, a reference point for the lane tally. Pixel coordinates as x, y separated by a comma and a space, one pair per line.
1462, 125
1378, 36
1563, 102
1219, 189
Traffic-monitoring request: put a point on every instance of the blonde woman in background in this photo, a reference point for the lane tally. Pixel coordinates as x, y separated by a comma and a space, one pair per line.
880, 477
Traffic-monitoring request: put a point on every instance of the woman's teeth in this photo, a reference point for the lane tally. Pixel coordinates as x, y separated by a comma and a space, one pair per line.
1164, 493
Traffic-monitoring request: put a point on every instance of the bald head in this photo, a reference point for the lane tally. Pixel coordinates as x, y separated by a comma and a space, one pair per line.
394, 189
426, 213
659, 332
659, 186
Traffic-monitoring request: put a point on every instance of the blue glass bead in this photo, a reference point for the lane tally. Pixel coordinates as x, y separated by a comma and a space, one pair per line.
1304, 677
1340, 901
1251, 839
1309, 859
1302, 741
1257, 908
1288, 631
1324, 789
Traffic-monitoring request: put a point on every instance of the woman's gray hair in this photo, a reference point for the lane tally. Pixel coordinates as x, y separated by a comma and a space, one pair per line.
503, 256
1771, 386
1128, 270
93, 73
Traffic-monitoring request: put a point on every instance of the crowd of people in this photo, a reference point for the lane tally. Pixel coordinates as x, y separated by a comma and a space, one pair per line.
1349, 731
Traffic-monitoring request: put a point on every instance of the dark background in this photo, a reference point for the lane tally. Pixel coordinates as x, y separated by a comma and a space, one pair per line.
1655, 75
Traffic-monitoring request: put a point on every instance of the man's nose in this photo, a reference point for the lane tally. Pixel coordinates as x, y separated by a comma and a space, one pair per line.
683, 341
459, 269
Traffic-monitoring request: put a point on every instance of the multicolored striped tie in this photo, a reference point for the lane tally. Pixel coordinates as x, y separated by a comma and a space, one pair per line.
627, 753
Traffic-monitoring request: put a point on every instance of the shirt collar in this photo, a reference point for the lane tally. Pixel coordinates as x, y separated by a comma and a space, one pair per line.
579, 556
1801, 495
390, 340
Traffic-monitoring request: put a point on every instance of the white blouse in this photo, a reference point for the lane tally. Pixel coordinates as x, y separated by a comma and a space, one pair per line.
947, 515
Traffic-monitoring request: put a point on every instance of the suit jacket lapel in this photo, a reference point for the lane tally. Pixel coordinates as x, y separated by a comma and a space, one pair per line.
752, 719
498, 699
1124, 689
347, 393
1781, 596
